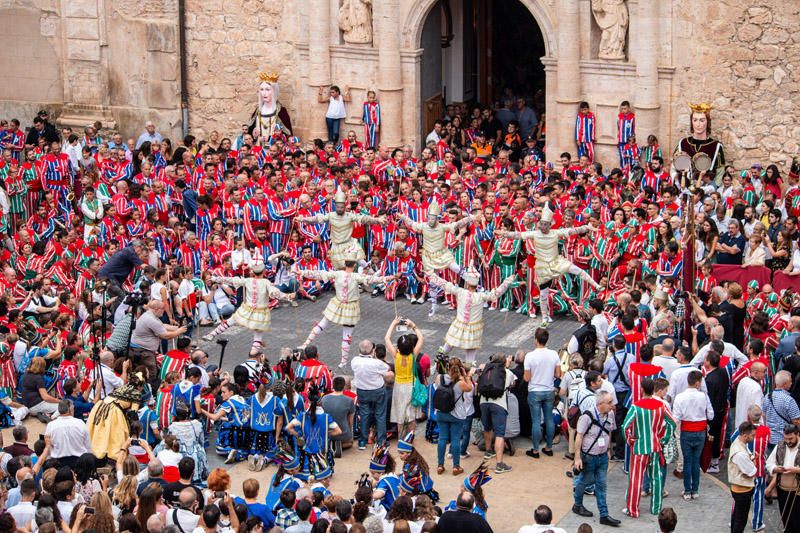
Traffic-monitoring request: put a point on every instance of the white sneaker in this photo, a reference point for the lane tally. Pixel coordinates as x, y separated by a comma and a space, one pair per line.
546, 321
686, 496
251, 462
713, 469
504, 310
208, 337
260, 463
433, 310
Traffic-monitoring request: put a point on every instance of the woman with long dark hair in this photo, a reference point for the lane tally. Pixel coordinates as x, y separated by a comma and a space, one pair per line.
313, 429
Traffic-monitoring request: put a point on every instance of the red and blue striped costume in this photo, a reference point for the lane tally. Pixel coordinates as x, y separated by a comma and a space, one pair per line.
315, 372
57, 177
585, 134
256, 216
280, 222
14, 141
191, 258
626, 128
670, 266
371, 117
308, 287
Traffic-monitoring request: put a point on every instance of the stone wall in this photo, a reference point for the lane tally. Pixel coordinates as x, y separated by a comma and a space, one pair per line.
744, 58
229, 43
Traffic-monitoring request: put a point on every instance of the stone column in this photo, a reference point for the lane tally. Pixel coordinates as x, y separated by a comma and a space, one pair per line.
319, 62
390, 79
568, 74
646, 56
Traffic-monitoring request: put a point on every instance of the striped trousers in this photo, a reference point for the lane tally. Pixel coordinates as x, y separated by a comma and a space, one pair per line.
640, 464
760, 483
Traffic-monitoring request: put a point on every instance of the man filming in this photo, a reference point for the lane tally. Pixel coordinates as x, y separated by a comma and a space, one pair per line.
148, 333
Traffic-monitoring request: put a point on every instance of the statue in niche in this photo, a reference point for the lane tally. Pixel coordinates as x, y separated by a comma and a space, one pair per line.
355, 20
612, 17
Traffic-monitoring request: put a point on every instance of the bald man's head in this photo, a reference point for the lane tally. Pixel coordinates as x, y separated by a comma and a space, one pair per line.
783, 380
667, 346
366, 347
717, 333
188, 498
107, 358
757, 371
754, 413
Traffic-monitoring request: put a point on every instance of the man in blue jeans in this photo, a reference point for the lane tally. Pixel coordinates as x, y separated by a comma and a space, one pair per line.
369, 378
592, 440
692, 410
542, 368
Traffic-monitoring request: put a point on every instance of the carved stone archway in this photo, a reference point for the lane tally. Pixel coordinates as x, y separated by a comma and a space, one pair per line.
418, 12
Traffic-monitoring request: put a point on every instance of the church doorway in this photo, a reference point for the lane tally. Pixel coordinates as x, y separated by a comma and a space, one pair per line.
480, 52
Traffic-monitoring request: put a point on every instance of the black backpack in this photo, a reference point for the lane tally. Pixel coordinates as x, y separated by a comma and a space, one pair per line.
444, 397
492, 381
587, 341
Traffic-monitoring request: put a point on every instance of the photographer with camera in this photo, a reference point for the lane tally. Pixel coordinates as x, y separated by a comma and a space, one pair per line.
591, 463
147, 335
285, 280
117, 269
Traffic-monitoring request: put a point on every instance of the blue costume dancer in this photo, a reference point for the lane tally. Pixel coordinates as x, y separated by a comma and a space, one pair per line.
284, 479
381, 467
472, 484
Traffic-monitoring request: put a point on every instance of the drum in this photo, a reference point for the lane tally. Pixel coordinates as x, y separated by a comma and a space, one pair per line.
682, 161
701, 162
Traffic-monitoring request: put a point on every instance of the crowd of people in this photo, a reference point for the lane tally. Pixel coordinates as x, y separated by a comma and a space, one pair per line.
115, 252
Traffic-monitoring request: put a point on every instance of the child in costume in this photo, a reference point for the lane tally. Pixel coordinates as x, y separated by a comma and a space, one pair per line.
267, 415
234, 435
472, 484
284, 479
387, 483
416, 473
313, 430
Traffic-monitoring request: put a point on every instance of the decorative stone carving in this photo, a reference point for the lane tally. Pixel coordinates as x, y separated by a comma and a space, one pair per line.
355, 20
612, 17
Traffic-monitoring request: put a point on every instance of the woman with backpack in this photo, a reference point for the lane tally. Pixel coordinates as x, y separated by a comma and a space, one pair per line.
451, 404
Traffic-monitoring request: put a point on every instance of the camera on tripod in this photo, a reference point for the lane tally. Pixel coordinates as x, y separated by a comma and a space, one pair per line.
136, 299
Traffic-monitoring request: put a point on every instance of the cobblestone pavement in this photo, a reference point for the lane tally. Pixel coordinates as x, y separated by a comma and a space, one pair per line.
513, 496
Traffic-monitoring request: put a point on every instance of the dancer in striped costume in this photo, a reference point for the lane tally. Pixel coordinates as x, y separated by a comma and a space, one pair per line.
550, 265
626, 128
648, 426
585, 131
343, 309
371, 117
254, 313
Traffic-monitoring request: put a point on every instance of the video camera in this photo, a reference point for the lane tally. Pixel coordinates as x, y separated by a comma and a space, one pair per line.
136, 299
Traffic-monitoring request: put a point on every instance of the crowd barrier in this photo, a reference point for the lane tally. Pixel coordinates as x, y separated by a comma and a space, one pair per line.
743, 275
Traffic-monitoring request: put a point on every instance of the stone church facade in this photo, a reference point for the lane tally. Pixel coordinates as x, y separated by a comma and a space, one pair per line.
127, 62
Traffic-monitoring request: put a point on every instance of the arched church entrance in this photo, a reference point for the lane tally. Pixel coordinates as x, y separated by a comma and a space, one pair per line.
480, 52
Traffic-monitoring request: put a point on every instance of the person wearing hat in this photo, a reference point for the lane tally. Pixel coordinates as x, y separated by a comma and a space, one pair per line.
341, 230
387, 483
344, 308
550, 265
416, 477
254, 313
466, 331
472, 484
435, 254
284, 479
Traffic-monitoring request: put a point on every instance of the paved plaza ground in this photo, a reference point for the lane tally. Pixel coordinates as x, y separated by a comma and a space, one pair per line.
511, 496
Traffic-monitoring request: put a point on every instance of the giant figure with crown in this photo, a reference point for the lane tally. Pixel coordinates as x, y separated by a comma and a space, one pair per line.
270, 118
700, 140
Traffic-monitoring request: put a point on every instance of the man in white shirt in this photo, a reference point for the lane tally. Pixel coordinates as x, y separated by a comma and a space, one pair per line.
110, 380
69, 436
150, 135
184, 515
600, 323
543, 521
692, 411
666, 360
24, 511
717, 333
678, 381
369, 378
542, 368
749, 392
